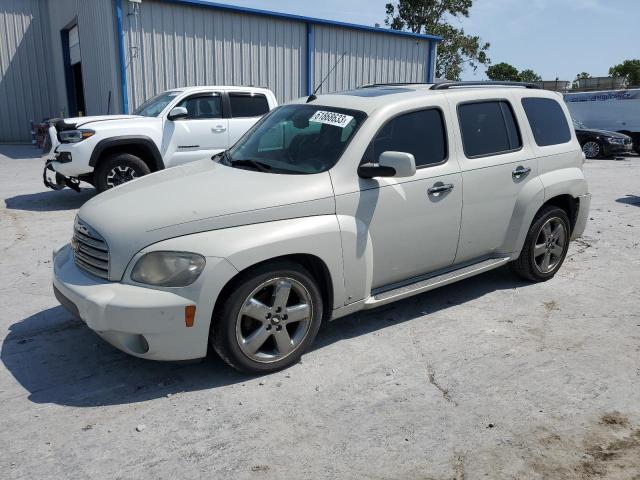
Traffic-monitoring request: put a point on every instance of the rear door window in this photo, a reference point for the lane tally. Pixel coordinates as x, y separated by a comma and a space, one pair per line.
488, 128
548, 121
420, 133
246, 105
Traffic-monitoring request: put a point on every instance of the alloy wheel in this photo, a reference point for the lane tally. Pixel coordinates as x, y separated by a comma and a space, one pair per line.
591, 149
274, 320
119, 175
550, 245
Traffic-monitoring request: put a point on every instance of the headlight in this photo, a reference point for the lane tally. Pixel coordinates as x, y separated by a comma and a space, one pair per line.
616, 140
168, 269
74, 136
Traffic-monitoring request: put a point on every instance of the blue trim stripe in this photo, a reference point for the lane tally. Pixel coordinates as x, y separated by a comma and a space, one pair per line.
310, 58
301, 18
123, 65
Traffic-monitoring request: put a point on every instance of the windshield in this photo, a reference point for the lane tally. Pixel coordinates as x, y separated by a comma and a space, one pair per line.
155, 105
296, 139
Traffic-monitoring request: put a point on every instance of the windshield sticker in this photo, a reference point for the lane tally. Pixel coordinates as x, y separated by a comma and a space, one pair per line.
331, 118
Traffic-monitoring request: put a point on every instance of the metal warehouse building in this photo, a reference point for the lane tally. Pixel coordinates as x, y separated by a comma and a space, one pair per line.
61, 58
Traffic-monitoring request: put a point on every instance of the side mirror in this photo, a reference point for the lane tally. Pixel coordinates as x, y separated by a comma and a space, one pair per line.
177, 113
390, 164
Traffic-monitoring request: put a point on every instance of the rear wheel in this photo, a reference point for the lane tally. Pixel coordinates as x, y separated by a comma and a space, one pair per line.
269, 320
592, 149
545, 247
118, 169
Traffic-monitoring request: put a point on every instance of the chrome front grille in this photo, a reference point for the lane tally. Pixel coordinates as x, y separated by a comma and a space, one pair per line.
90, 251
627, 141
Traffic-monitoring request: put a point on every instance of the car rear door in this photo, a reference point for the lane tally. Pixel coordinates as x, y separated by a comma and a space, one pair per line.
203, 133
496, 163
245, 109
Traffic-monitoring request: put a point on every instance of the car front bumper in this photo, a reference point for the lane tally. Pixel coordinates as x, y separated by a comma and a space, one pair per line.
617, 149
140, 321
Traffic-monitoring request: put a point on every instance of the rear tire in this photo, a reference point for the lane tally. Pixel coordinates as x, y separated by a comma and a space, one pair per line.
269, 319
545, 247
118, 169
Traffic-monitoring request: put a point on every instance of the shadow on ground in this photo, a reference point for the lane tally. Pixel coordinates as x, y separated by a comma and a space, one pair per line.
630, 200
57, 359
51, 200
20, 152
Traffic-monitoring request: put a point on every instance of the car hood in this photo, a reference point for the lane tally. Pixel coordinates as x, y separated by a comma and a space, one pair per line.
197, 197
85, 121
604, 133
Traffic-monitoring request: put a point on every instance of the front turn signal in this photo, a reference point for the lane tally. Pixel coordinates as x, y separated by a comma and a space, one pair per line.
189, 315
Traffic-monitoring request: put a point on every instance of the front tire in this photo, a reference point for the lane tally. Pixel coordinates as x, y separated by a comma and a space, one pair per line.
269, 319
545, 247
118, 169
592, 149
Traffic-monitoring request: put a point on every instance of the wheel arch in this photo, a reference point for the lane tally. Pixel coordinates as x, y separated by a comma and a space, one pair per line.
139, 145
314, 264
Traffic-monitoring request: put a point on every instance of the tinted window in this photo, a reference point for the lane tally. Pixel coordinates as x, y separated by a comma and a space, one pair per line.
248, 105
419, 133
488, 128
203, 107
547, 120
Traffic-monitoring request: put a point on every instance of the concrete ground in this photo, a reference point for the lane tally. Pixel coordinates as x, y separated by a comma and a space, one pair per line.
488, 378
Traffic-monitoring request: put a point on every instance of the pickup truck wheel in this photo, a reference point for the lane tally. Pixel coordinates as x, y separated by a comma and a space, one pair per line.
269, 320
545, 247
118, 169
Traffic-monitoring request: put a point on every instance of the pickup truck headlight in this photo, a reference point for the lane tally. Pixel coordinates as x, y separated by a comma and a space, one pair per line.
168, 269
74, 136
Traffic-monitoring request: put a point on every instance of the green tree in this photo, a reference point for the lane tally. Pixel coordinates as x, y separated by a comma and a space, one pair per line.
529, 76
430, 16
503, 72
629, 69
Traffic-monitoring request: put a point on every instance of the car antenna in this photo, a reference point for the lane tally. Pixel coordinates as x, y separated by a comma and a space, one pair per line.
312, 97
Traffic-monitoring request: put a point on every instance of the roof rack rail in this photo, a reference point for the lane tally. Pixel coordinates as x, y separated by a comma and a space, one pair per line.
447, 85
392, 84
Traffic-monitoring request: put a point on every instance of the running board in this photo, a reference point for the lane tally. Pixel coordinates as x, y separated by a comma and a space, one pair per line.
430, 283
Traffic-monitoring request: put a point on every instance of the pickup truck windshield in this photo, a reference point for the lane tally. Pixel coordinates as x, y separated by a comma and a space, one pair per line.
296, 139
155, 105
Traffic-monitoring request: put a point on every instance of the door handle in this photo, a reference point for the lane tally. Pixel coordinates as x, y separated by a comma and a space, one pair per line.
442, 188
520, 172
218, 129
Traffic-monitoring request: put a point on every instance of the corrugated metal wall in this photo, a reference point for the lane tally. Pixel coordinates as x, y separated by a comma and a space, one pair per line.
98, 51
169, 45
24, 68
370, 58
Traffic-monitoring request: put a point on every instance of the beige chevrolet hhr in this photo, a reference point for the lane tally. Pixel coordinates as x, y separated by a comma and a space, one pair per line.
328, 205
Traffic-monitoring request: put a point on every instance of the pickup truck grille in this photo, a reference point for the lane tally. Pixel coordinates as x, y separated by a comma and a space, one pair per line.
90, 251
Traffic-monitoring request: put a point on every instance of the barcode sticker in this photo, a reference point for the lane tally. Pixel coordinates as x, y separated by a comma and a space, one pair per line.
331, 118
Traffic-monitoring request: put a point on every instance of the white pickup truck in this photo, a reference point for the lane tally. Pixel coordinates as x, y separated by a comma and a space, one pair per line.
172, 128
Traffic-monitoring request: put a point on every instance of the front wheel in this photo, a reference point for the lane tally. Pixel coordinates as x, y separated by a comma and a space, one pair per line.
592, 149
545, 247
269, 320
118, 169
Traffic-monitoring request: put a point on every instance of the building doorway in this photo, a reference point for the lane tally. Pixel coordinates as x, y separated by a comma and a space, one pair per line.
73, 70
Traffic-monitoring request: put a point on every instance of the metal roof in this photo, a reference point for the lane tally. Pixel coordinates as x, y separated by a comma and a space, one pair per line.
301, 18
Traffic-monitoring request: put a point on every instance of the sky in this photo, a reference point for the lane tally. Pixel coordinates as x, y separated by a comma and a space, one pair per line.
555, 38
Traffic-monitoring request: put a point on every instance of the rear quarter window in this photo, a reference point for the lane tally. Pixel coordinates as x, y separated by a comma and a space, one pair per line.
548, 121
